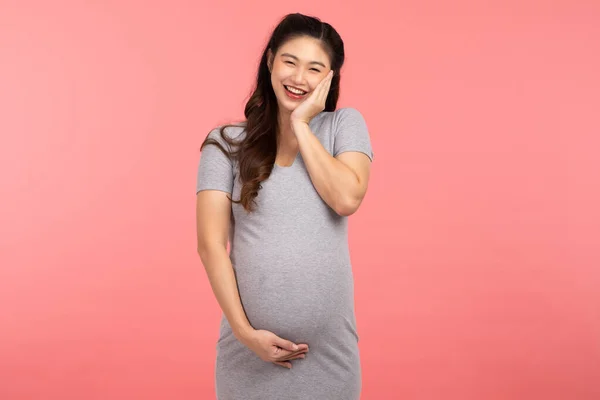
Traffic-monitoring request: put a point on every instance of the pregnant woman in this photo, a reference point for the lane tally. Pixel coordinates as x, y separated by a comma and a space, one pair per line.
280, 187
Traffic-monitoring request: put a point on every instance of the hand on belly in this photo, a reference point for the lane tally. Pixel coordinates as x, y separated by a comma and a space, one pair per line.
271, 348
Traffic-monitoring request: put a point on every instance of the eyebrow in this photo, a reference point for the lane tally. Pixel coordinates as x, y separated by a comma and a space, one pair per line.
296, 58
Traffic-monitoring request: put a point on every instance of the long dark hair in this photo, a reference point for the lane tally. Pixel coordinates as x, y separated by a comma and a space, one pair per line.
255, 152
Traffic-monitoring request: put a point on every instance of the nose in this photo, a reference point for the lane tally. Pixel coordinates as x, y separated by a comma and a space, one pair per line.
298, 77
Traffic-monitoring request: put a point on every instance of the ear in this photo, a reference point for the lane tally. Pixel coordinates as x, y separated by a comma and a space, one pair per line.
270, 60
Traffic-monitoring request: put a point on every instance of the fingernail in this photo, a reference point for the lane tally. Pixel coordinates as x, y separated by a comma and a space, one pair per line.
295, 347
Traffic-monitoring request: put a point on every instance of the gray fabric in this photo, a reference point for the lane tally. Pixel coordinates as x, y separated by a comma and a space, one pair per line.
294, 274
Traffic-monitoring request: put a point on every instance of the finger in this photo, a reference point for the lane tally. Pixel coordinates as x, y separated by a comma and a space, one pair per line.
284, 356
326, 86
321, 85
326, 91
278, 354
296, 357
284, 364
328, 81
286, 344
301, 347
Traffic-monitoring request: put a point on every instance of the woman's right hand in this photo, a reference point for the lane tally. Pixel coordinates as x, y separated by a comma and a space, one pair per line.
270, 347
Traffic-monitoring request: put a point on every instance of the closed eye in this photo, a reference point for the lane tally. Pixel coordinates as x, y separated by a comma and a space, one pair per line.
312, 69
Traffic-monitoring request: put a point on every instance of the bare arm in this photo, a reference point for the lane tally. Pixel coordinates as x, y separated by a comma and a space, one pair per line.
340, 181
213, 210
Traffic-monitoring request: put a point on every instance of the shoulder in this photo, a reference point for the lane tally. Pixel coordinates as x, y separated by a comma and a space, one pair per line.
348, 112
344, 116
347, 119
348, 115
228, 133
232, 132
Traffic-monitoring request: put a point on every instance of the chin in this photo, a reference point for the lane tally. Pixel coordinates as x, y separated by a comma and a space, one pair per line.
287, 105
291, 107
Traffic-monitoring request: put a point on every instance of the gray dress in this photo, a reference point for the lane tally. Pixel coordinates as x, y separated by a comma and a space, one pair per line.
293, 269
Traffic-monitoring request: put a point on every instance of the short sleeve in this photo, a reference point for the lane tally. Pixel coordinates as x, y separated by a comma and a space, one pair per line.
351, 133
215, 169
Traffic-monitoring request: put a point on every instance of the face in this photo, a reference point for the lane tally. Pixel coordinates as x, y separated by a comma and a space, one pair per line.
296, 70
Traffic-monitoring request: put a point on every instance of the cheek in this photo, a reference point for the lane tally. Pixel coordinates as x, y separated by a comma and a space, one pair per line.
312, 86
314, 82
276, 78
275, 83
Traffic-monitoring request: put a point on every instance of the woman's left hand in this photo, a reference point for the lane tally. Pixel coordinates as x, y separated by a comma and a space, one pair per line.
314, 104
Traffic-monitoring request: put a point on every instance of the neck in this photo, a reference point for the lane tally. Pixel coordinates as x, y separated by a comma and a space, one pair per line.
285, 129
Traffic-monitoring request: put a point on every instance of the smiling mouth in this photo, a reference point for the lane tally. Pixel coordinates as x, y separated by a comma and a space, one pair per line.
294, 91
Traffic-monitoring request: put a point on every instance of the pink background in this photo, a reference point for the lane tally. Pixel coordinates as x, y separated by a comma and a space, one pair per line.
475, 252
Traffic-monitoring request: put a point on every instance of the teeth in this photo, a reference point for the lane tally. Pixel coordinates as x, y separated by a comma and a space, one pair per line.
293, 90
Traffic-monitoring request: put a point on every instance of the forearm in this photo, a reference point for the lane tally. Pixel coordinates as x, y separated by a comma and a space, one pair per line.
335, 182
222, 279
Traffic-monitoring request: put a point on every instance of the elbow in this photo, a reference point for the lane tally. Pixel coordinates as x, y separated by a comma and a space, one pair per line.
347, 206
207, 250
202, 252
201, 249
